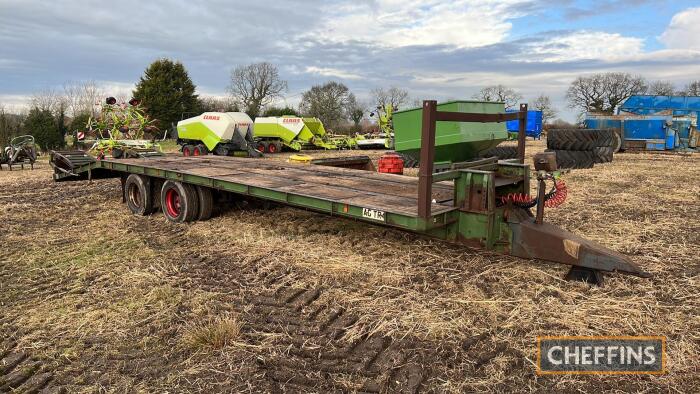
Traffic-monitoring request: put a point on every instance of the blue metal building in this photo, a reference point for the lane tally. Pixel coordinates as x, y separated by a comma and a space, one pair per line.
653, 122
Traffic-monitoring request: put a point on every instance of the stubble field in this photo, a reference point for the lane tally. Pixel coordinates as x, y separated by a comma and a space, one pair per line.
277, 299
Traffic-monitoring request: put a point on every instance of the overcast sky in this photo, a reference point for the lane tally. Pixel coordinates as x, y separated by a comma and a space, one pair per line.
434, 49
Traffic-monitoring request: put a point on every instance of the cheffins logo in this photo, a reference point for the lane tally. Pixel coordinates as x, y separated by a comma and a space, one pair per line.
601, 355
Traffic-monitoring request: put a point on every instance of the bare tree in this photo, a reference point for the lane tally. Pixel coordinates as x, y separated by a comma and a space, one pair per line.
562, 124
691, 89
499, 93
217, 104
82, 97
356, 110
393, 95
49, 100
10, 124
662, 88
255, 85
328, 102
604, 92
544, 103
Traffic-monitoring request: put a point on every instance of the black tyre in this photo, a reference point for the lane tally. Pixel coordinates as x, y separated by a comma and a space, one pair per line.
262, 146
138, 196
602, 154
408, 161
571, 139
573, 158
221, 150
604, 138
187, 150
179, 202
617, 145
502, 152
200, 150
206, 202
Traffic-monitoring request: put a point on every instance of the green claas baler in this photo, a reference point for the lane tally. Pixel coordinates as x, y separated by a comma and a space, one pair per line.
221, 133
295, 133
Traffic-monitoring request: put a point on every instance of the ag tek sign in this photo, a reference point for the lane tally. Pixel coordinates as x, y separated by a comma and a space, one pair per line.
601, 355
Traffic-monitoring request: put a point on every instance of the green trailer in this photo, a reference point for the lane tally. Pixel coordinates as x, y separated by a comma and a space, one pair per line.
454, 141
295, 133
467, 205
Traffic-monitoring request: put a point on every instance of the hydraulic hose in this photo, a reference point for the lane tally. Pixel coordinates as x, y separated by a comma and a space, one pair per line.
554, 198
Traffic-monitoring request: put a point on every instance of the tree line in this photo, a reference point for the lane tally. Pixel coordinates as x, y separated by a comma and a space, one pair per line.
169, 95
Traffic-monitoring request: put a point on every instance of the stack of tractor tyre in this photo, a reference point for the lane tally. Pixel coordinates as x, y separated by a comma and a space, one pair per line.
502, 152
582, 148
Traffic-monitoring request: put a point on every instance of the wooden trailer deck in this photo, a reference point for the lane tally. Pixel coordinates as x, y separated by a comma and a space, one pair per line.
383, 192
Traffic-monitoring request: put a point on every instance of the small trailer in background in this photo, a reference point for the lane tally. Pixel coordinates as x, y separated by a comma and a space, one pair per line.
533, 128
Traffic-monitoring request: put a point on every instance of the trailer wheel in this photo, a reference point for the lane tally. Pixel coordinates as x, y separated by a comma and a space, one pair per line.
272, 147
137, 193
262, 146
206, 202
179, 202
187, 150
199, 150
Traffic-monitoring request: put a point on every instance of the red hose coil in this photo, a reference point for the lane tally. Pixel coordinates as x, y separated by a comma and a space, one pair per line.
517, 198
559, 195
554, 201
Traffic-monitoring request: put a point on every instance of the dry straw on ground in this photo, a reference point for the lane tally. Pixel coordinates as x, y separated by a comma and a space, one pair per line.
88, 287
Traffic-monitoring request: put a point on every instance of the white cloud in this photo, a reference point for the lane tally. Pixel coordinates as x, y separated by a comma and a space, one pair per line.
393, 23
117, 89
14, 103
684, 30
332, 72
584, 45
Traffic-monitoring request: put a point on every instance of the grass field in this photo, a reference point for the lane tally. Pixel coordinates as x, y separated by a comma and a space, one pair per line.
277, 299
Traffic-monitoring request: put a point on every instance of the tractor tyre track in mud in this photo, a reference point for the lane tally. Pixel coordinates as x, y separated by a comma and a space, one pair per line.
309, 351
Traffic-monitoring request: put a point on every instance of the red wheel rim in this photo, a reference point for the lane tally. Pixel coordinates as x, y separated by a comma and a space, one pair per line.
172, 203
272, 148
196, 151
186, 151
261, 147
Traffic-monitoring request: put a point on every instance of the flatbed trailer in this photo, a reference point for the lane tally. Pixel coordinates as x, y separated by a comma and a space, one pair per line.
462, 205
